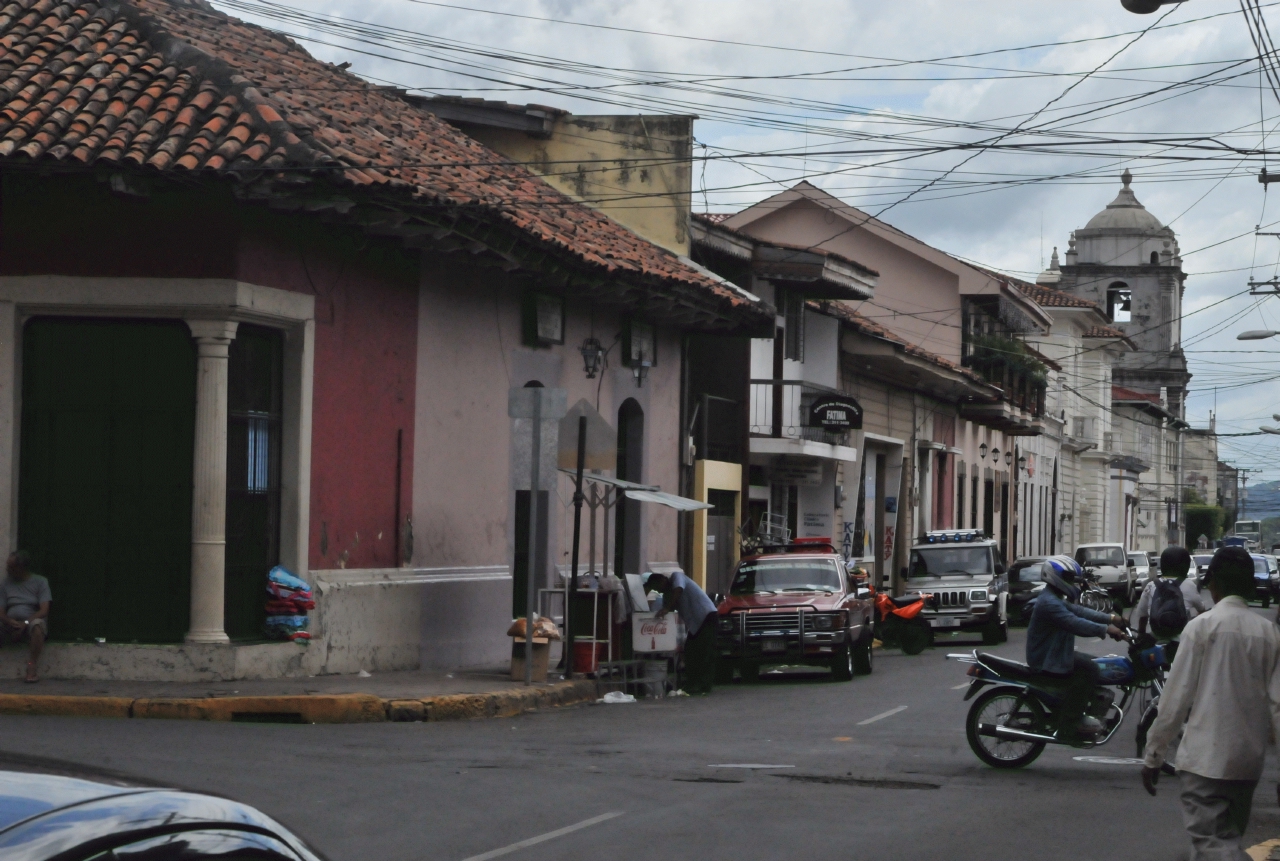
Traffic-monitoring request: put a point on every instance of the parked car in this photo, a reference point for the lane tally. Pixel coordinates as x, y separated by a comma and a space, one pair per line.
962, 570
1264, 574
795, 604
44, 816
1024, 585
1274, 562
1201, 562
1143, 568
1112, 567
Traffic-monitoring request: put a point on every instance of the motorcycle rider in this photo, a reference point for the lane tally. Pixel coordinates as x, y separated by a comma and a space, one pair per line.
1056, 621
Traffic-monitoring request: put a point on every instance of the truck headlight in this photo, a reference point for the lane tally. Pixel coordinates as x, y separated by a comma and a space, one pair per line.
726, 624
824, 623
978, 595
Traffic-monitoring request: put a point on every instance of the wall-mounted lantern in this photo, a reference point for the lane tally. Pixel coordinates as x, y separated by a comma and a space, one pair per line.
982, 451
592, 356
1008, 458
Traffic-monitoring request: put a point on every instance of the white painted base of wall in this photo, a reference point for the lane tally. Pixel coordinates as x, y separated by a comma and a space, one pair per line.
186, 662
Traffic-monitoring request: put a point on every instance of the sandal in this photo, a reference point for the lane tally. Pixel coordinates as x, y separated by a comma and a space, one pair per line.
31, 678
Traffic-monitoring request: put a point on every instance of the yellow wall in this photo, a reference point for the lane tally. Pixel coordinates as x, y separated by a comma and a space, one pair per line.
635, 169
712, 475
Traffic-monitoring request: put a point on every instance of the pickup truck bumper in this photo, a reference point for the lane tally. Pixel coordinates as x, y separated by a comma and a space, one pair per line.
778, 647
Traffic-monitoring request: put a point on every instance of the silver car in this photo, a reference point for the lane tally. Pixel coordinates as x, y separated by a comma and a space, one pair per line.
1142, 567
1110, 564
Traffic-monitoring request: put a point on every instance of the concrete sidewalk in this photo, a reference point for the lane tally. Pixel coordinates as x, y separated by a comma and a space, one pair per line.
401, 696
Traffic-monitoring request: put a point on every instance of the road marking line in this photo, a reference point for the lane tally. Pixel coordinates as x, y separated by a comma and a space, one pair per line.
843, 738
961, 685
742, 765
882, 716
542, 838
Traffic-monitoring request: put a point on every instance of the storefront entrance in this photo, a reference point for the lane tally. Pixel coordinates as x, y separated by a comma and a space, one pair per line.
108, 411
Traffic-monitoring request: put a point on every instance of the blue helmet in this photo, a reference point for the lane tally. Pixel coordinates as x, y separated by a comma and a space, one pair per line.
1061, 573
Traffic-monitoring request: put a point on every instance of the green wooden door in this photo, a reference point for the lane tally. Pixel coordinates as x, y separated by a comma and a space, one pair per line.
104, 506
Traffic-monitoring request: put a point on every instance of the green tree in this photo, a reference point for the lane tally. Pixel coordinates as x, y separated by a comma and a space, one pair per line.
1203, 520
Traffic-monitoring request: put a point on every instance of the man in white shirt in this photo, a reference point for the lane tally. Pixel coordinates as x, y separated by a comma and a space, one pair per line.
1175, 563
1225, 686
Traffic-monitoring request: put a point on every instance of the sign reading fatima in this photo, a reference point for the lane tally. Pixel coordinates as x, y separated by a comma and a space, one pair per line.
835, 413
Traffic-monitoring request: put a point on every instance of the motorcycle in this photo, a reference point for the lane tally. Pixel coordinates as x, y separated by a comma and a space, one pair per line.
1013, 718
898, 621
1094, 596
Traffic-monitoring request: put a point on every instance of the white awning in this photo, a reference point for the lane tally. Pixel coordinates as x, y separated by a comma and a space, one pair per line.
644, 492
679, 503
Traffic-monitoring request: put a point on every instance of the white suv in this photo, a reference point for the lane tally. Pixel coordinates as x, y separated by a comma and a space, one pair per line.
1111, 565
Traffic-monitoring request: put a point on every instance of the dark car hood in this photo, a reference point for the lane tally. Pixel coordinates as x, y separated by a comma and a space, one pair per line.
781, 600
25, 795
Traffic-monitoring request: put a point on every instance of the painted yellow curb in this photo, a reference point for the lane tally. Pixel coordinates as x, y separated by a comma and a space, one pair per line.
345, 708
29, 704
508, 703
1262, 851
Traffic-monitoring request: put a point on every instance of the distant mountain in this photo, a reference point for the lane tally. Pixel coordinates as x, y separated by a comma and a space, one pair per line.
1263, 501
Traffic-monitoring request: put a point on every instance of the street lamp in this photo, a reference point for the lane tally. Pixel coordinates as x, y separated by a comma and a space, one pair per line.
1256, 335
982, 451
1146, 7
1022, 463
1269, 429
995, 455
1008, 458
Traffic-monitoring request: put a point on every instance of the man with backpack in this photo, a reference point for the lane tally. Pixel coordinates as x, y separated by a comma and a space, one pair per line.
1171, 600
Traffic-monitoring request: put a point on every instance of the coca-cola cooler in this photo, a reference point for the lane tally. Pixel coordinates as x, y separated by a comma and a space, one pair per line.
650, 634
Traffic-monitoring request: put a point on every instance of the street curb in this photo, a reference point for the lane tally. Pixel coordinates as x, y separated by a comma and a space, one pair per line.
332, 709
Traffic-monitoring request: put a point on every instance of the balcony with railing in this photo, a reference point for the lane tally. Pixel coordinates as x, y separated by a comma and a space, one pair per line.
780, 409
1009, 365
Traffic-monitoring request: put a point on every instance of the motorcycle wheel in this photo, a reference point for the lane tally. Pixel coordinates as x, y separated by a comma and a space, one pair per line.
842, 664
914, 638
1005, 707
862, 654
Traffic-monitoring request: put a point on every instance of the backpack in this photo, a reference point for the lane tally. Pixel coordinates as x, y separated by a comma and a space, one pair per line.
1168, 611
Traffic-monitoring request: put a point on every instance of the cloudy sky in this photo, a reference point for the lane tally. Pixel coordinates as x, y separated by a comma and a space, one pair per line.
868, 99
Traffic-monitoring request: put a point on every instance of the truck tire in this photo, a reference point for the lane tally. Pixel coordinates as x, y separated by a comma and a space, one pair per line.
724, 670
862, 652
994, 633
750, 671
842, 664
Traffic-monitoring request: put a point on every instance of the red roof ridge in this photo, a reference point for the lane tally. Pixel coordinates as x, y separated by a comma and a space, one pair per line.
1120, 393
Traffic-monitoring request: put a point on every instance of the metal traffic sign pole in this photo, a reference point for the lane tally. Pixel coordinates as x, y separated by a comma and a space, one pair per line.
577, 536
536, 404
535, 488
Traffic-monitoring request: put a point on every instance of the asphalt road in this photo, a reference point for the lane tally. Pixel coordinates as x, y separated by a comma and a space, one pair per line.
905, 786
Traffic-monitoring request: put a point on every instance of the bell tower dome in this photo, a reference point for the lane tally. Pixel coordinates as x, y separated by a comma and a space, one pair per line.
1129, 264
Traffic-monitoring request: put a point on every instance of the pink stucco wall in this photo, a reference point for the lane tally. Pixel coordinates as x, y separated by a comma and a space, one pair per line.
915, 298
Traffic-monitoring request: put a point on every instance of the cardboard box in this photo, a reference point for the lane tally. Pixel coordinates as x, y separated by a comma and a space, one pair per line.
650, 634
541, 659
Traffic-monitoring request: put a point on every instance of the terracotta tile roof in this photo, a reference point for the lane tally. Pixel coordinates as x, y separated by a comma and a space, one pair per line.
1119, 393
861, 324
1103, 332
1047, 297
175, 86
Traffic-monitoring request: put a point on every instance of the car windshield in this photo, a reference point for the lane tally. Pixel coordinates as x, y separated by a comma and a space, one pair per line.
1095, 556
766, 576
1202, 560
1259, 565
1026, 572
1138, 559
942, 561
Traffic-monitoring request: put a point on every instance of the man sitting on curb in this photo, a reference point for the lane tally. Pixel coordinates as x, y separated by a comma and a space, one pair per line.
681, 594
24, 609
1223, 694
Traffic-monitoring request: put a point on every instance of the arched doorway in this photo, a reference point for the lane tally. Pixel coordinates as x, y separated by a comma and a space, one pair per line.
626, 554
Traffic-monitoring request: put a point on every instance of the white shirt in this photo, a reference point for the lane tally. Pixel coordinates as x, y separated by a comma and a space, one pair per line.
1225, 685
1196, 601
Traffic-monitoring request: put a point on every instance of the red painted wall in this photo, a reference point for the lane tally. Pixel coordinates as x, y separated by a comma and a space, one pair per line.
365, 360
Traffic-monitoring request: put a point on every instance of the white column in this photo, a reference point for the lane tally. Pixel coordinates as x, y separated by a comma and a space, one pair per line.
209, 481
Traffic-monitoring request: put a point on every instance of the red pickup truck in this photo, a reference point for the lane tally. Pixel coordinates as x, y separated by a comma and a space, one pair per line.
795, 604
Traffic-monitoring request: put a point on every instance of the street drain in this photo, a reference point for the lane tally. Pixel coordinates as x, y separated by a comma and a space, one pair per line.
705, 780
267, 717
872, 782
